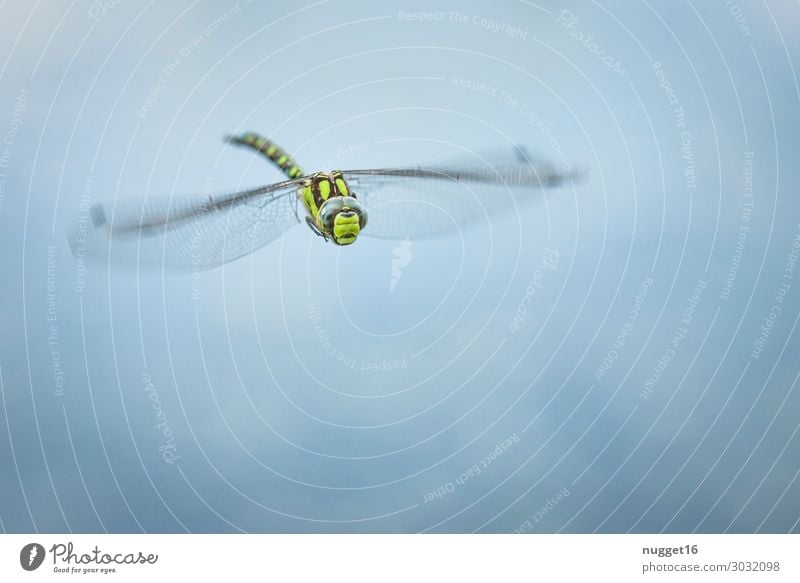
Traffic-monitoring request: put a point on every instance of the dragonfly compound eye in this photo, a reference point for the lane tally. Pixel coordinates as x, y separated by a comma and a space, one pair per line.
328, 211
352, 204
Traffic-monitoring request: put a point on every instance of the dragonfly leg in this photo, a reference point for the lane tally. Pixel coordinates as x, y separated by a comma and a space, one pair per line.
271, 150
313, 226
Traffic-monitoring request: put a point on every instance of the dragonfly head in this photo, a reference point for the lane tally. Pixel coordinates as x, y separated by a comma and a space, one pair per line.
342, 218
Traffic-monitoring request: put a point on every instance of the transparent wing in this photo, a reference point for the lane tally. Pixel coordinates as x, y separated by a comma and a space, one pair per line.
186, 234
440, 199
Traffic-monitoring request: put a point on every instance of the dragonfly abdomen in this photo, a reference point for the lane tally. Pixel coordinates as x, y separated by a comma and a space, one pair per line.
271, 150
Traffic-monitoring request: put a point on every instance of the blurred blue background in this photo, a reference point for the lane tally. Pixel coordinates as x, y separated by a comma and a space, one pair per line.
621, 356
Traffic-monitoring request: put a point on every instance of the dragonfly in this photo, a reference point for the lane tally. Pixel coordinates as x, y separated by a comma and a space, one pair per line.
205, 231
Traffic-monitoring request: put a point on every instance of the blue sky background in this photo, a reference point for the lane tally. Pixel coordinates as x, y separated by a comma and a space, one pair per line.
273, 374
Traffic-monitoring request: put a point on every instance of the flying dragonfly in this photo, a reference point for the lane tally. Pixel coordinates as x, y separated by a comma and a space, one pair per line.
202, 232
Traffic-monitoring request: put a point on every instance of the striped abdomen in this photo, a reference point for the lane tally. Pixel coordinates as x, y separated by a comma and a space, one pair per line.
272, 151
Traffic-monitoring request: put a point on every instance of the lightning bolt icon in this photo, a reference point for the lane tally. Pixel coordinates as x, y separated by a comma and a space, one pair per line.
34, 552
402, 257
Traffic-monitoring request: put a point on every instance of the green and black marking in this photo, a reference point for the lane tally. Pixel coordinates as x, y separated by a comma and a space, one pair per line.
320, 187
344, 217
341, 219
271, 150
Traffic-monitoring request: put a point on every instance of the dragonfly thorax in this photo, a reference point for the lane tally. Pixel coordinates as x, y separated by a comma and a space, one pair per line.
333, 207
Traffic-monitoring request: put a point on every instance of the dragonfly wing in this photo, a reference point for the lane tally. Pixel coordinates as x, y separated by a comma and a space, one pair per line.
186, 234
514, 155
438, 200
